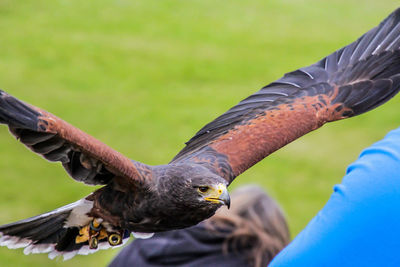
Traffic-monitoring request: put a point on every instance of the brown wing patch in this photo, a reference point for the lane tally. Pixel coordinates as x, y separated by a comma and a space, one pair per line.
346, 83
115, 161
250, 142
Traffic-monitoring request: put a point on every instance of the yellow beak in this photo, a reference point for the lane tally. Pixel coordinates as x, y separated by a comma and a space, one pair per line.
219, 195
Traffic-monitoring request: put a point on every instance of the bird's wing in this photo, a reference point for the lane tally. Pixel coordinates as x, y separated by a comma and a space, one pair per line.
85, 158
346, 83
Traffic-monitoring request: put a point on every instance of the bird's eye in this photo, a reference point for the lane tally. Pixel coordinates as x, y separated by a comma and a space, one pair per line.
203, 189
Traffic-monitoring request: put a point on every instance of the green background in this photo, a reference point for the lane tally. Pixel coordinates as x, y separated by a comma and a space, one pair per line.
144, 76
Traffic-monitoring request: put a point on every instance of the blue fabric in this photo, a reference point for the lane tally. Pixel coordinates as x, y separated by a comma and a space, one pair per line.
360, 224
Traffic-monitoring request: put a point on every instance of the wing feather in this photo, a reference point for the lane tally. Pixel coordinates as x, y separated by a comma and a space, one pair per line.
85, 158
350, 81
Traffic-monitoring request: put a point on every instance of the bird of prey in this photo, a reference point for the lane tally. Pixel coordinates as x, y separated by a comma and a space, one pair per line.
143, 199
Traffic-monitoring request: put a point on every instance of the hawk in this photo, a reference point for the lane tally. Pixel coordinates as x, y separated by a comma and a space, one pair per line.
144, 199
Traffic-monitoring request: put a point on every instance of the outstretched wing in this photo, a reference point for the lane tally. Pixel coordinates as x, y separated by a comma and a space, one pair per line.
346, 83
85, 158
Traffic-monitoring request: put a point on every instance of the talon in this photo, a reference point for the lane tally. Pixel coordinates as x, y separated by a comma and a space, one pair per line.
90, 231
81, 239
83, 235
114, 239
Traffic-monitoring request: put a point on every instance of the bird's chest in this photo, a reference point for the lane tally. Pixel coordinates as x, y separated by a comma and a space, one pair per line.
157, 217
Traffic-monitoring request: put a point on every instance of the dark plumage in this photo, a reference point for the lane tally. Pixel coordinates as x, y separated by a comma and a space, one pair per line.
157, 205
142, 198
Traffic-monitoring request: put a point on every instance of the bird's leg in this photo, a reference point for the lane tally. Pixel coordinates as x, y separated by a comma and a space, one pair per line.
94, 231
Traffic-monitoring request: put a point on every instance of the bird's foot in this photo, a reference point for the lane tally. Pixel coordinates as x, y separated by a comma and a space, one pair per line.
94, 232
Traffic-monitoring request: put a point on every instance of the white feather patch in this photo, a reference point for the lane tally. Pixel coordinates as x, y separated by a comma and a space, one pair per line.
142, 235
84, 250
13, 242
41, 248
78, 215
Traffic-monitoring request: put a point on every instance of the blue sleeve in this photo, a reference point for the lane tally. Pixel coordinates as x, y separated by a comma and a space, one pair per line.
360, 224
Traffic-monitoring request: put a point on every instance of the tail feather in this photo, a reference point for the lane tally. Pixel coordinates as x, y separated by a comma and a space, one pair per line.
54, 232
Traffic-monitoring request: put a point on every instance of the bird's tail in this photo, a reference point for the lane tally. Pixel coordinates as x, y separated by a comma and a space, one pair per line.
66, 232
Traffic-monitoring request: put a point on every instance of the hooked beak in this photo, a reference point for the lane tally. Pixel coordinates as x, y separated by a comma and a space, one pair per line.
220, 195
225, 198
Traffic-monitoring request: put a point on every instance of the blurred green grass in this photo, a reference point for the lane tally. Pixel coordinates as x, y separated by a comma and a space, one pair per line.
144, 76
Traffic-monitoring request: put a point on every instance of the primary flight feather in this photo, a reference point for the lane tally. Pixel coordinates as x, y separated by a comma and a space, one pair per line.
144, 199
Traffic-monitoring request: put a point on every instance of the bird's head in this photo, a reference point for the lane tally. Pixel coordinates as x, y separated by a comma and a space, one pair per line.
210, 191
193, 188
